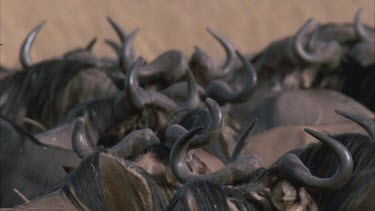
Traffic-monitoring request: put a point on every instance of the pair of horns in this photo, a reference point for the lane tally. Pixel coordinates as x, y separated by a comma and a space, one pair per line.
236, 170
125, 50
291, 167
139, 98
220, 91
288, 166
333, 47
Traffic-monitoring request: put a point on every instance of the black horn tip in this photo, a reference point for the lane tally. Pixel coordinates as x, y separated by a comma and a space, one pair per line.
91, 44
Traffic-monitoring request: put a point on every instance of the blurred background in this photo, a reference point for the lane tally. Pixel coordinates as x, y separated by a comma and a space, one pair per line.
249, 24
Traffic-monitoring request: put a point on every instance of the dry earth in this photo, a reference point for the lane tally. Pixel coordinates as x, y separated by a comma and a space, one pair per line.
250, 24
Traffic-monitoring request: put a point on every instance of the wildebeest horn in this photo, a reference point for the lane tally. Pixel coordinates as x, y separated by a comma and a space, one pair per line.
322, 56
214, 129
139, 98
131, 86
91, 44
125, 52
242, 141
80, 142
211, 132
193, 93
220, 92
120, 33
225, 176
26, 46
367, 124
290, 166
230, 54
359, 29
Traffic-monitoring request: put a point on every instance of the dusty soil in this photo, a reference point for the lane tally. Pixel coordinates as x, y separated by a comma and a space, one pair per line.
250, 24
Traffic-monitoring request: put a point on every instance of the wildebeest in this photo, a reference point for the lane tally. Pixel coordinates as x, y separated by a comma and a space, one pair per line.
362, 149
34, 168
295, 107
216, 81
45, 91
31, 167
296, 61
163, 71
278, 187
133, 108
288, 183
147, 178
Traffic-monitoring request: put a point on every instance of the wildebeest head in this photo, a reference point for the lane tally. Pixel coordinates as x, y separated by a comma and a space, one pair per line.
202, 65
216, 81
282, 186
293, 62
166, 69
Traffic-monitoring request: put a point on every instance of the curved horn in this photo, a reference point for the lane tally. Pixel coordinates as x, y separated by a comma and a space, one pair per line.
26, 46
126, 50
292, 167
242, 141
230, 52
214, 129
322, 56
360, 30
131, 86
138, 97
120, 33
80, 142
222, 93
225, 176
367, 124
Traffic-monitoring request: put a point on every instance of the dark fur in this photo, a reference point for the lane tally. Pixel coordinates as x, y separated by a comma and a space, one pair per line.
204, 196
39, 90
85, 181
92, 191
362, 149
211, 196
352, 79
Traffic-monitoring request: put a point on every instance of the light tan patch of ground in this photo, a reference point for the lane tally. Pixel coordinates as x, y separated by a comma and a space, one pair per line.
249, 24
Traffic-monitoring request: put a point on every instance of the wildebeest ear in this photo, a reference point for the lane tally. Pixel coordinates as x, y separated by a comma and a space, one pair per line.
287, 197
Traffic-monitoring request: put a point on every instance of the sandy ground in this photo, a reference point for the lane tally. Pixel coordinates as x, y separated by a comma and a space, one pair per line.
249, 24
